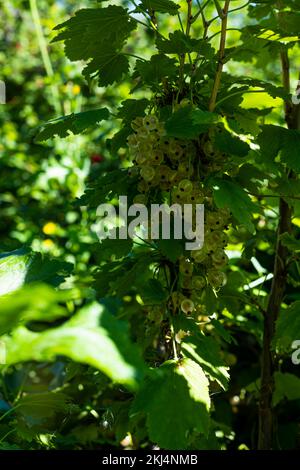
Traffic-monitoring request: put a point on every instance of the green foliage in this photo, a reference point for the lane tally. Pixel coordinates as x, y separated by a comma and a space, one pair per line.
74, 123
136, 343
274, 140
227, 193
92, 336
23, 266
83, 41
288, 327
286, 386
188, 123
185, 412
163, 6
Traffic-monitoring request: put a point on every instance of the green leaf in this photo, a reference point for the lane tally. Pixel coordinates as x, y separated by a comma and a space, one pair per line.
231, 144
23, 266
175, 398
73, 123
112, 184
109, 66
205, 351
119, 140
290, 242
287, 327
163, 6
130, 109
180, 43
37, 302
98, 34
156, 69
43, 405
91, 30
289, 22
172, 249
188, 122
93, 336
275, 139
229, 194
116, 248
286, 386
153, 292
132, 276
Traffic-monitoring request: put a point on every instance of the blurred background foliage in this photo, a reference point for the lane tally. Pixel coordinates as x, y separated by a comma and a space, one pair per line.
63, 404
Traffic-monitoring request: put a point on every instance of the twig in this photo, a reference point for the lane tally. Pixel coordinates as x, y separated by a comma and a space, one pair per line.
266, 411
217, 82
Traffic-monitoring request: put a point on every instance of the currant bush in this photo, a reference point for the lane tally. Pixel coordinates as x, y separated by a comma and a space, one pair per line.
174, 171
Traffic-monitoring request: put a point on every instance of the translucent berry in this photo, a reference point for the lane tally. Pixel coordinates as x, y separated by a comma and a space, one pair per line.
148, 173
150, 122
185, 186
186, 267
199, 282
219, 258
187, 306
216, 278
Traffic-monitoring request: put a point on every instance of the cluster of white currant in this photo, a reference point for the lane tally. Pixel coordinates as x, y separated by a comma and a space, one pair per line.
171, 167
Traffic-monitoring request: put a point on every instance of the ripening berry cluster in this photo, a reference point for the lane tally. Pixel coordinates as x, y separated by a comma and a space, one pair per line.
169, 167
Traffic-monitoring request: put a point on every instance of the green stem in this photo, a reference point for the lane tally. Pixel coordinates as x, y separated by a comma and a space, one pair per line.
45, 54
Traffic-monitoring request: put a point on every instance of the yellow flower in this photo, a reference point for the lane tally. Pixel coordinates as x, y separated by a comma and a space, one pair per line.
50, 228
76, 89
48, 244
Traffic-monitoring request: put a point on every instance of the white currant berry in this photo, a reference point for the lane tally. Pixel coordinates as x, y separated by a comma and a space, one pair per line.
216, 278
199, 282
187, 306
147, 173
185, 186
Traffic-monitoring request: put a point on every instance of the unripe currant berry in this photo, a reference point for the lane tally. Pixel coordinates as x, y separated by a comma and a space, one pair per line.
213, 239
132, 141
157, 158
133, 171
150, 122
177, 196
137, 123
185, 186
199, 282
141, 158
219, 258
185, 102
195, 197
185, 169
199, 256
147, 173
175, 150
213, 220
186, 267
216, 278
155, 314
186, 282
187, 306
165, 172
